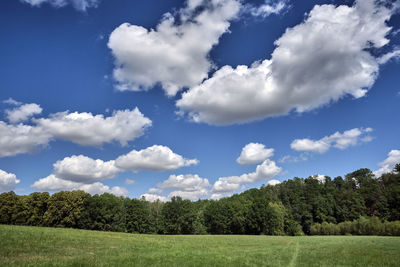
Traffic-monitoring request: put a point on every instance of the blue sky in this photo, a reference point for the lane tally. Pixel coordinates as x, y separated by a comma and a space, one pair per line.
229, 94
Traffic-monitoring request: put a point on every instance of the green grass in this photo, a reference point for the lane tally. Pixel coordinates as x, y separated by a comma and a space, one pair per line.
36, 246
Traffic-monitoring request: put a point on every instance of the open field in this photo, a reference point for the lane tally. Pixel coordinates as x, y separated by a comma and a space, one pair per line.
36, 246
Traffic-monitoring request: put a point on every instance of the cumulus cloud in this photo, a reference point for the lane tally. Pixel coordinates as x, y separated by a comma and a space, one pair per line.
52, 183
21, 139
81, 5
254, 153
273, 182
81, 128
388, 164
155, 158
266, 9
84, 169
334, 43
187, 186
188, 182
264, 171
338, 140
175, 54
7, 181
94, 130
23, 113
154, 197
189, 195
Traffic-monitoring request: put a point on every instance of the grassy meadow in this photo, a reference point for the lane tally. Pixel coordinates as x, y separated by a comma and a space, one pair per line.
36, 246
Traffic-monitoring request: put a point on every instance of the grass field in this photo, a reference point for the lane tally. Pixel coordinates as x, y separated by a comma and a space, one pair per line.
35, 246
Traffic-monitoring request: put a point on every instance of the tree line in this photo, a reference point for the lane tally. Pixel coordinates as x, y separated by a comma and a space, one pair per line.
358, 203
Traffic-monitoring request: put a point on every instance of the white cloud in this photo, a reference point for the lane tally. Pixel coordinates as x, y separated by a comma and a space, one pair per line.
84, 169
190, 195
53, 184
333, 42
288, 158
154, 197
129, 181
273, 182
81, 128
187, 182
254, 153
321, 178
23, 113
81, 5
21, 139
388, 164
155, 158
13, 102
7, 181
310, 145
338, 140
267, 9
94, 130
155, 191
175, 54
187, 186
391, 55
264, 171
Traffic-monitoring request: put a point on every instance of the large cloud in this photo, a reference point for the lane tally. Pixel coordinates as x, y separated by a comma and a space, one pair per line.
175, 54
254, 153
52, 183
21, 139
94, 130
81, 128
155, 158
84, 169
324, 58
7, 181
388, 164
80, 5
339, 140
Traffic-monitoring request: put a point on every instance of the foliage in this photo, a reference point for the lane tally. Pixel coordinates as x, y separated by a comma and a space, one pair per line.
358, 204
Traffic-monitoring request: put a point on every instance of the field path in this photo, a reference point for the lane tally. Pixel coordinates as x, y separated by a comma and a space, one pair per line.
295, 254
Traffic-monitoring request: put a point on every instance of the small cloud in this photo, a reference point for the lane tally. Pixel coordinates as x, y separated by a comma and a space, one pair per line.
129, 181
11, 101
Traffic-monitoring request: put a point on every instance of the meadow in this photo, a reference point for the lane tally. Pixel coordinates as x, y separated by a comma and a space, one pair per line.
39, 246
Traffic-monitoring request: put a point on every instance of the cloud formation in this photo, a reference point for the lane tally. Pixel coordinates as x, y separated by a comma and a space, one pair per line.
84, 169
335, 44
84, 173
21, 139
94, 130
52, 183
7, 181
175, 54
186, 186
81, 128
154, 158
23, 112
338, 140
264, 171
266, 9
254, 153
81, 5
388, 164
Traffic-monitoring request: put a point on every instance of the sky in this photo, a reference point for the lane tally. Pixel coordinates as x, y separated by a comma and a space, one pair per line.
197, 98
